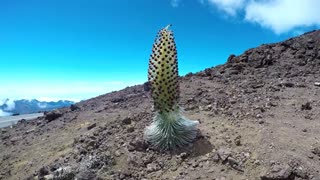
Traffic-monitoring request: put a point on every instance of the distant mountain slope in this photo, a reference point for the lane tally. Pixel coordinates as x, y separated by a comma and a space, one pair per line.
24, 106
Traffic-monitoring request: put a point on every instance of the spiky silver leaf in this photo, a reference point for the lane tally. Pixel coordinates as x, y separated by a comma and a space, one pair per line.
170, 131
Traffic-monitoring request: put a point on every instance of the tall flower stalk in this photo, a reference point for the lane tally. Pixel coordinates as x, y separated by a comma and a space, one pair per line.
169, 129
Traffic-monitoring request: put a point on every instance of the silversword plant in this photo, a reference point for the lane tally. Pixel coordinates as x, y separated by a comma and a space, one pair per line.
169, 129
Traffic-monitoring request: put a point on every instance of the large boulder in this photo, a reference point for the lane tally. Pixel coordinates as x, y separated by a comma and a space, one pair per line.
52, 115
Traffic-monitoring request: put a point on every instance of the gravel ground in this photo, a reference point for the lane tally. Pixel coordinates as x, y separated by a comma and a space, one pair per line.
259, 119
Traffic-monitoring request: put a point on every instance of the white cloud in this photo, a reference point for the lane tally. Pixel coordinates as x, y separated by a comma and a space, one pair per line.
284, 15
2, 113
2, 101
228, 6
280, 16
61, 90
10, 105
42, 105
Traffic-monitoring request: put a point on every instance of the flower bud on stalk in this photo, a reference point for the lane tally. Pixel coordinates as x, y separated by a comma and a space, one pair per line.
169, 129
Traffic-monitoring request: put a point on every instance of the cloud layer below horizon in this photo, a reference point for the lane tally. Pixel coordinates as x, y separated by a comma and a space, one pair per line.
59, 90
2, 113
280, 16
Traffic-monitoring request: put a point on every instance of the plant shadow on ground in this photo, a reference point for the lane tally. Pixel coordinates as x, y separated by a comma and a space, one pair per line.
199, 147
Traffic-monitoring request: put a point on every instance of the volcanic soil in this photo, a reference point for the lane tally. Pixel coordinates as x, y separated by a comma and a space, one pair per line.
259, 119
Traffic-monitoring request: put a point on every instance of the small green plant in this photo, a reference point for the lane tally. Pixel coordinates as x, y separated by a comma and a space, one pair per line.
169, 129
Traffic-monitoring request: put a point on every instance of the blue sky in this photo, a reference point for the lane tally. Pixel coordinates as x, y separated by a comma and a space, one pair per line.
77, 49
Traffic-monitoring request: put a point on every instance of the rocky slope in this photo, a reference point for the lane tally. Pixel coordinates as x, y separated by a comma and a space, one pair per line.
259, 114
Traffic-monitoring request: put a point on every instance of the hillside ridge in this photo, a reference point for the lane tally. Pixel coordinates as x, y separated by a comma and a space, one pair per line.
259, 119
